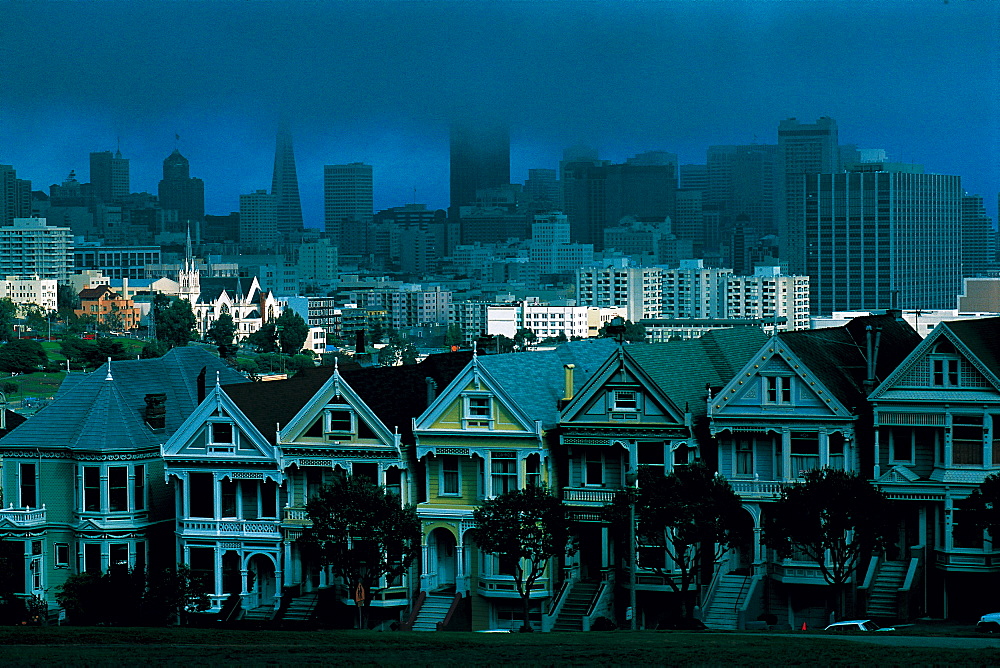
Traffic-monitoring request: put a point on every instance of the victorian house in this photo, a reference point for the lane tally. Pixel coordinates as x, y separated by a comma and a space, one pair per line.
249, 458
799, 403
243, 298
937, 420
83, 480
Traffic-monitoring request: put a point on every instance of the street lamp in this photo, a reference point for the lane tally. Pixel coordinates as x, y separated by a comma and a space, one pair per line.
632, 480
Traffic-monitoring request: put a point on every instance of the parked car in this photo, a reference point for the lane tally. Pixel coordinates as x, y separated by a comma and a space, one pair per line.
989, 623
857, 625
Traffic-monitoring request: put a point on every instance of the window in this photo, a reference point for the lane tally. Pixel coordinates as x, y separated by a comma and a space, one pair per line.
533, 471
779, 389
593, 469
340, 421
92, 558
119, 556
202, 495
449, 475
228, 498
651, 454
836, 446
140, 487
626, 400
965, 535
901, 442
744, 457
222, 433
118, 488
503, 466
91, 488
28, 486
394, 481
367, 471
967, 440
944, 372
804, 453
62, 555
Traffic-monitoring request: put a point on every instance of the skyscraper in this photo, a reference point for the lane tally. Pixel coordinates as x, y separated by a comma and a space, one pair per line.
882, 236
109, 175
285, 185
348, 205
15, 196
181, 193
741, 182
480, 159
977, 229
258, 220
802, 149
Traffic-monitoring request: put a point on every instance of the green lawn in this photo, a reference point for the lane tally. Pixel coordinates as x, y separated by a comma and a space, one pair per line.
38, 384
75, 646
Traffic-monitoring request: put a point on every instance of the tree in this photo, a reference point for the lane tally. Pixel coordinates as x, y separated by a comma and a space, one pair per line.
453, 336
523, 339
8, 316
153, 349
93, 353
835, 513
221, 333
981, 510
399, 350
67, 298
691, 516
527, 528
22, 356
292, 331
174, 320
265, 339
632, 332
364, 533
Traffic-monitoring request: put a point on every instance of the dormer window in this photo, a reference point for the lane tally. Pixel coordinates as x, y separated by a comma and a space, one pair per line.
221, 437
625, 400
779, 389
944, 365
339, 422
478, 411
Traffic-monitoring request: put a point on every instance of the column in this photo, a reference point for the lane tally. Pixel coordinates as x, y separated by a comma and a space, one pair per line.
877, 473
947, 448
824, 447
287, 563
217, 496
605, 549
218, 570
786, 455
460, 569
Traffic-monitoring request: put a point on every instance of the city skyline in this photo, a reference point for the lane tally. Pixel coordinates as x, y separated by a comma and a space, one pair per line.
678, 77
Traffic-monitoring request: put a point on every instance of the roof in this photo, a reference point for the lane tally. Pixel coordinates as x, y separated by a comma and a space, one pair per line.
96, 292
102, 411
838, 355
685, 369
236, 287
396, 394
11, 420
982, 337
536, 380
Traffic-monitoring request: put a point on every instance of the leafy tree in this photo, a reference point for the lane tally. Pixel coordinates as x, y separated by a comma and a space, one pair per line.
453, 336
35, 318
93, 353
691, 514
111, 322
173, 319
364, 533
9, 387
153, 349
527, 527
292, 331
22, 356
836, 513
173, 593
221, 333
633, 332
523, 339
265, 339
399, 350
981, 510
299, 362
8, 316
67, 298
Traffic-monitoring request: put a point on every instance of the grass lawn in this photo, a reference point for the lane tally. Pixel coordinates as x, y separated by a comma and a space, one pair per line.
75, 646
38, 384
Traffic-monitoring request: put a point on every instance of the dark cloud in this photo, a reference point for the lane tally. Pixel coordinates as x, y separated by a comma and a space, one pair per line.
378, 81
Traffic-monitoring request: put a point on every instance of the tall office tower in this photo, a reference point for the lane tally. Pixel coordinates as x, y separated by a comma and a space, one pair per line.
32, 247
741, 182
480, 159
15, 196
258, 220
542, 190
694, 177
584, 200
977, 228
109, 175
181, 193
285, 185
348, 204
688, 221
882, 235
802, 149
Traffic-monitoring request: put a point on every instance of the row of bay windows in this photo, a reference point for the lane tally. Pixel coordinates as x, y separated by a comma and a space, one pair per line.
97, 489
969, 440
93, 556
765, 457
506, 472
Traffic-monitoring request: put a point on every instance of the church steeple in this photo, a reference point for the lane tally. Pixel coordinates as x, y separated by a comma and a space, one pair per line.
188, 278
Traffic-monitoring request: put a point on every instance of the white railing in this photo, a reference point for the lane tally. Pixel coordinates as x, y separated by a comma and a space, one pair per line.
23, 517
758, 488
249, 528
584, 495
295, 514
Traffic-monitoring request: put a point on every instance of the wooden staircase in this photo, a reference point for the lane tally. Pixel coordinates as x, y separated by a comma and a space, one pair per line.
721, 611
301, 608
883, 597
433, 611
576, 607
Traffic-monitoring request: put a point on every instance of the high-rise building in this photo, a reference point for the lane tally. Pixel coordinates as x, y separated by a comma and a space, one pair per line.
769, 295
638, 290
802, 149
977, 230
109, 175
882, 236
180, 192
348, 204
542, 190
693, 290
741, 182
285, 185
694, 177
28, 246
258, 220
15, 196
480, 159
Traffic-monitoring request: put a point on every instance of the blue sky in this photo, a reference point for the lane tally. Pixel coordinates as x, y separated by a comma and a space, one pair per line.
378, 82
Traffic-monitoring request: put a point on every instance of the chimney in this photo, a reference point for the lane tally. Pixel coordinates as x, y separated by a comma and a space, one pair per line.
201, 384
359, 341
156, 411
568, 394
432, 387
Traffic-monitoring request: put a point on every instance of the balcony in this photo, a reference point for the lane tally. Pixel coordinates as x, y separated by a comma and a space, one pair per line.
503, 586
967, 560
588, 496
229, 528
23, 517
758, 489
295, 516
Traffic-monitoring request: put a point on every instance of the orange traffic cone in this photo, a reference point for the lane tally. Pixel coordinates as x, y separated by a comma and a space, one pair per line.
804, 626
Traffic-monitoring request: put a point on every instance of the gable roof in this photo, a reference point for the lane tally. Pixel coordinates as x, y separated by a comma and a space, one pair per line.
683, 369
94, 413
239, 288
395, 394
838, 355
